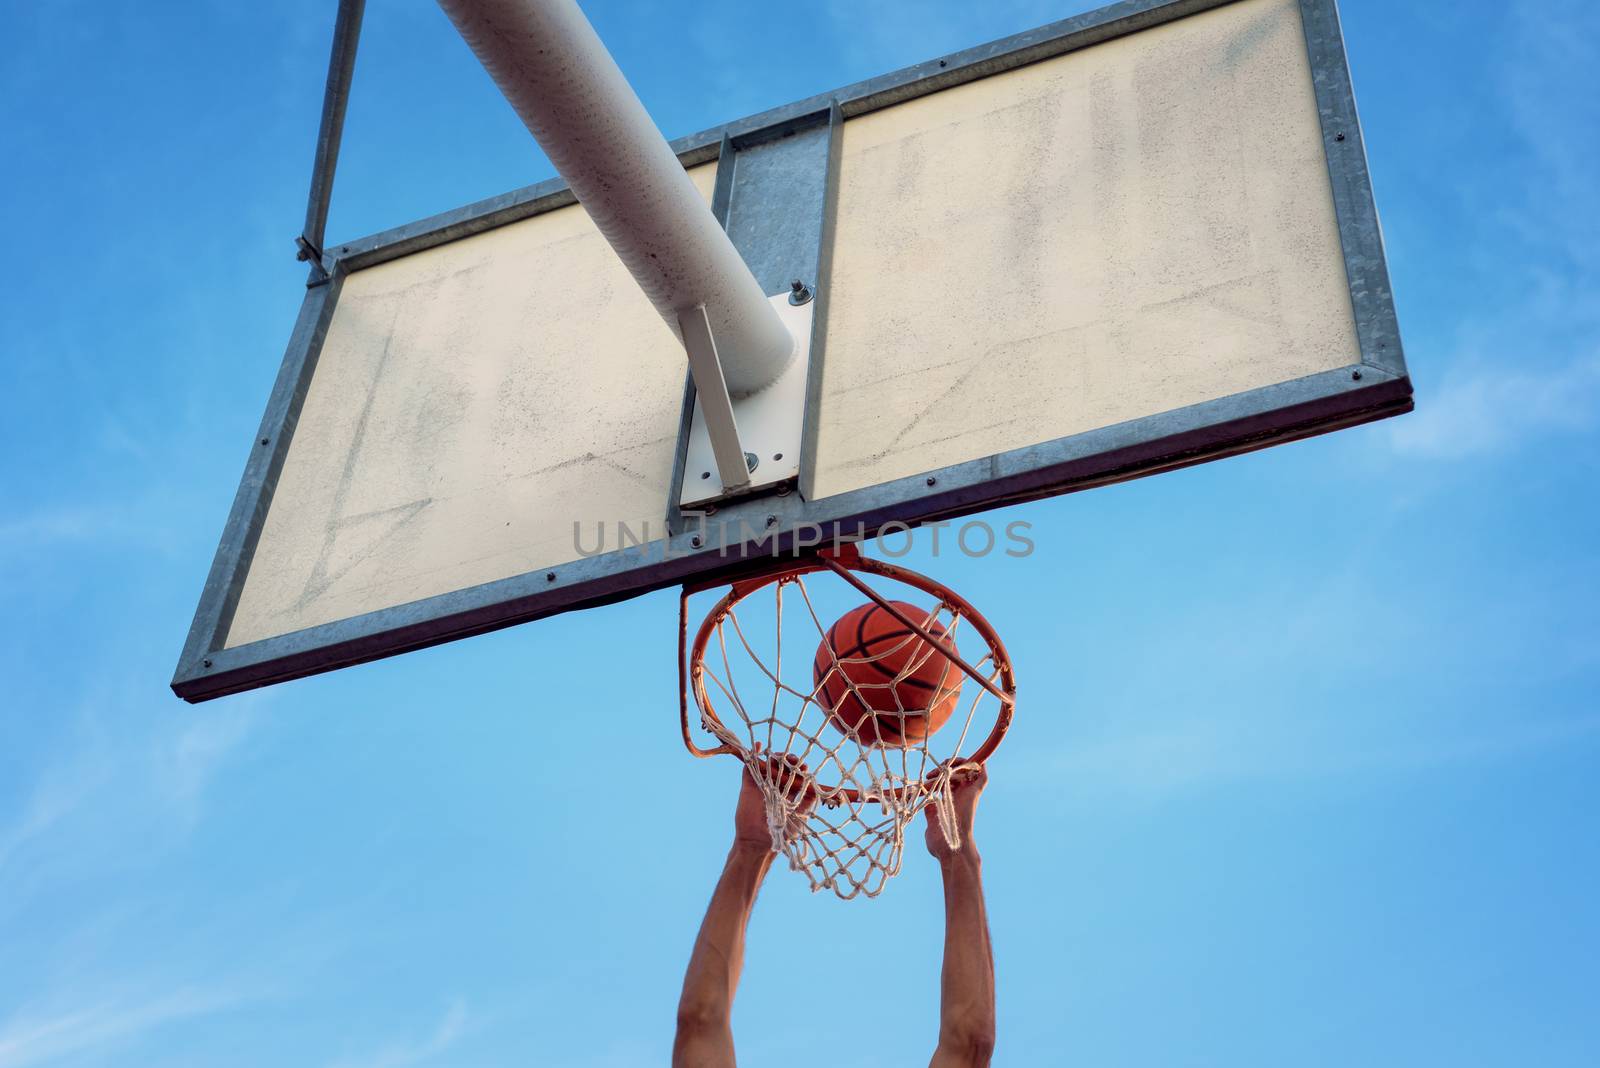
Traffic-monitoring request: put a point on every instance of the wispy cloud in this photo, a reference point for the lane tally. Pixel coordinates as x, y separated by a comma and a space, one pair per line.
450, 1028
135, 958
190, 759
53, 529
1216, 751
116, 775
1258, 701
1526, 366
52, 526
1548, 87
1479, 410
39, 1037
56, 794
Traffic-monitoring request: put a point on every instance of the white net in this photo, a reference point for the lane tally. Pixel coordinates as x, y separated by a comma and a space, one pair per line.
879, 727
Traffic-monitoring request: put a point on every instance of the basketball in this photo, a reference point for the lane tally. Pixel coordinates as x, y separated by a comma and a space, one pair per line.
893, 669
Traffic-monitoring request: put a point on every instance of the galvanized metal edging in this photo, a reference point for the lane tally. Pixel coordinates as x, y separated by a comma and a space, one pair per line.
775, 198
1356, 211
824, 298
1241, 423
269, 449
980, 61
1371, 389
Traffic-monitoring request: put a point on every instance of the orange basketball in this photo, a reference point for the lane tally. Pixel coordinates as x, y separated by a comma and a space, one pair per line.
872, 649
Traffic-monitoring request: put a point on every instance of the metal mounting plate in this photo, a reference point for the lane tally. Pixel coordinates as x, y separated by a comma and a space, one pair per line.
771, 423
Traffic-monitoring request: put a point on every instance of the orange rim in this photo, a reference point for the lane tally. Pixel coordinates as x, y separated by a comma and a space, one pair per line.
842, 561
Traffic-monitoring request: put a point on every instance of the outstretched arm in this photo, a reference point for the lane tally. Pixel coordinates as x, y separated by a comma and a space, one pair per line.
705, 1032
966, 1004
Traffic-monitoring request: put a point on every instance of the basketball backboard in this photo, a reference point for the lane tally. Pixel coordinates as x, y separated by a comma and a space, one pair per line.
1129, 241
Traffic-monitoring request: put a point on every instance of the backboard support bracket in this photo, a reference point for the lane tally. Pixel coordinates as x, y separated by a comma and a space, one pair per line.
740, 445
719, 425
774, 195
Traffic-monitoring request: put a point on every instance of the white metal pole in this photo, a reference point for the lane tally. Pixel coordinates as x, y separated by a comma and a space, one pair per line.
566, 88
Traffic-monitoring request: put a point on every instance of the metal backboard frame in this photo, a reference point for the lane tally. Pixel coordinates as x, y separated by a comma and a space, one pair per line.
790, 156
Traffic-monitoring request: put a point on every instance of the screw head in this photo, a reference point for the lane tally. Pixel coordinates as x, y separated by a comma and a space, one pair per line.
705, 474
1338, 137
751, 461
205, 663
772, 520
264, 441
695, 541
799, 293
1355, 375
549, 576
777, 456
932, 481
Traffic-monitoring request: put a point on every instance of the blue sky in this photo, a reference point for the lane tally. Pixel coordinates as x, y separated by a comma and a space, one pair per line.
1305, 770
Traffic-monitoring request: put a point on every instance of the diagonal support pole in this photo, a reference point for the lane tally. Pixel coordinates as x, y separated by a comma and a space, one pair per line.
715, 404
341, 70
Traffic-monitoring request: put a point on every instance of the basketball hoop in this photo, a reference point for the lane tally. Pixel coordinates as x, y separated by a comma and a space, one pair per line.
867, 722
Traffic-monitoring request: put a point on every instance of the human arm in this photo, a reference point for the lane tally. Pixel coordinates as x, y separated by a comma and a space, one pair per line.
966, 990
705, 1009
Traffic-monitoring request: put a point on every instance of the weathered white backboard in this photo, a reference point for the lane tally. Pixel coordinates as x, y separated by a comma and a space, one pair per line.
1130, 241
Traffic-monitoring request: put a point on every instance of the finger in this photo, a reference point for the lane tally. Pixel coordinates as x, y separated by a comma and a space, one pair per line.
973, 776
